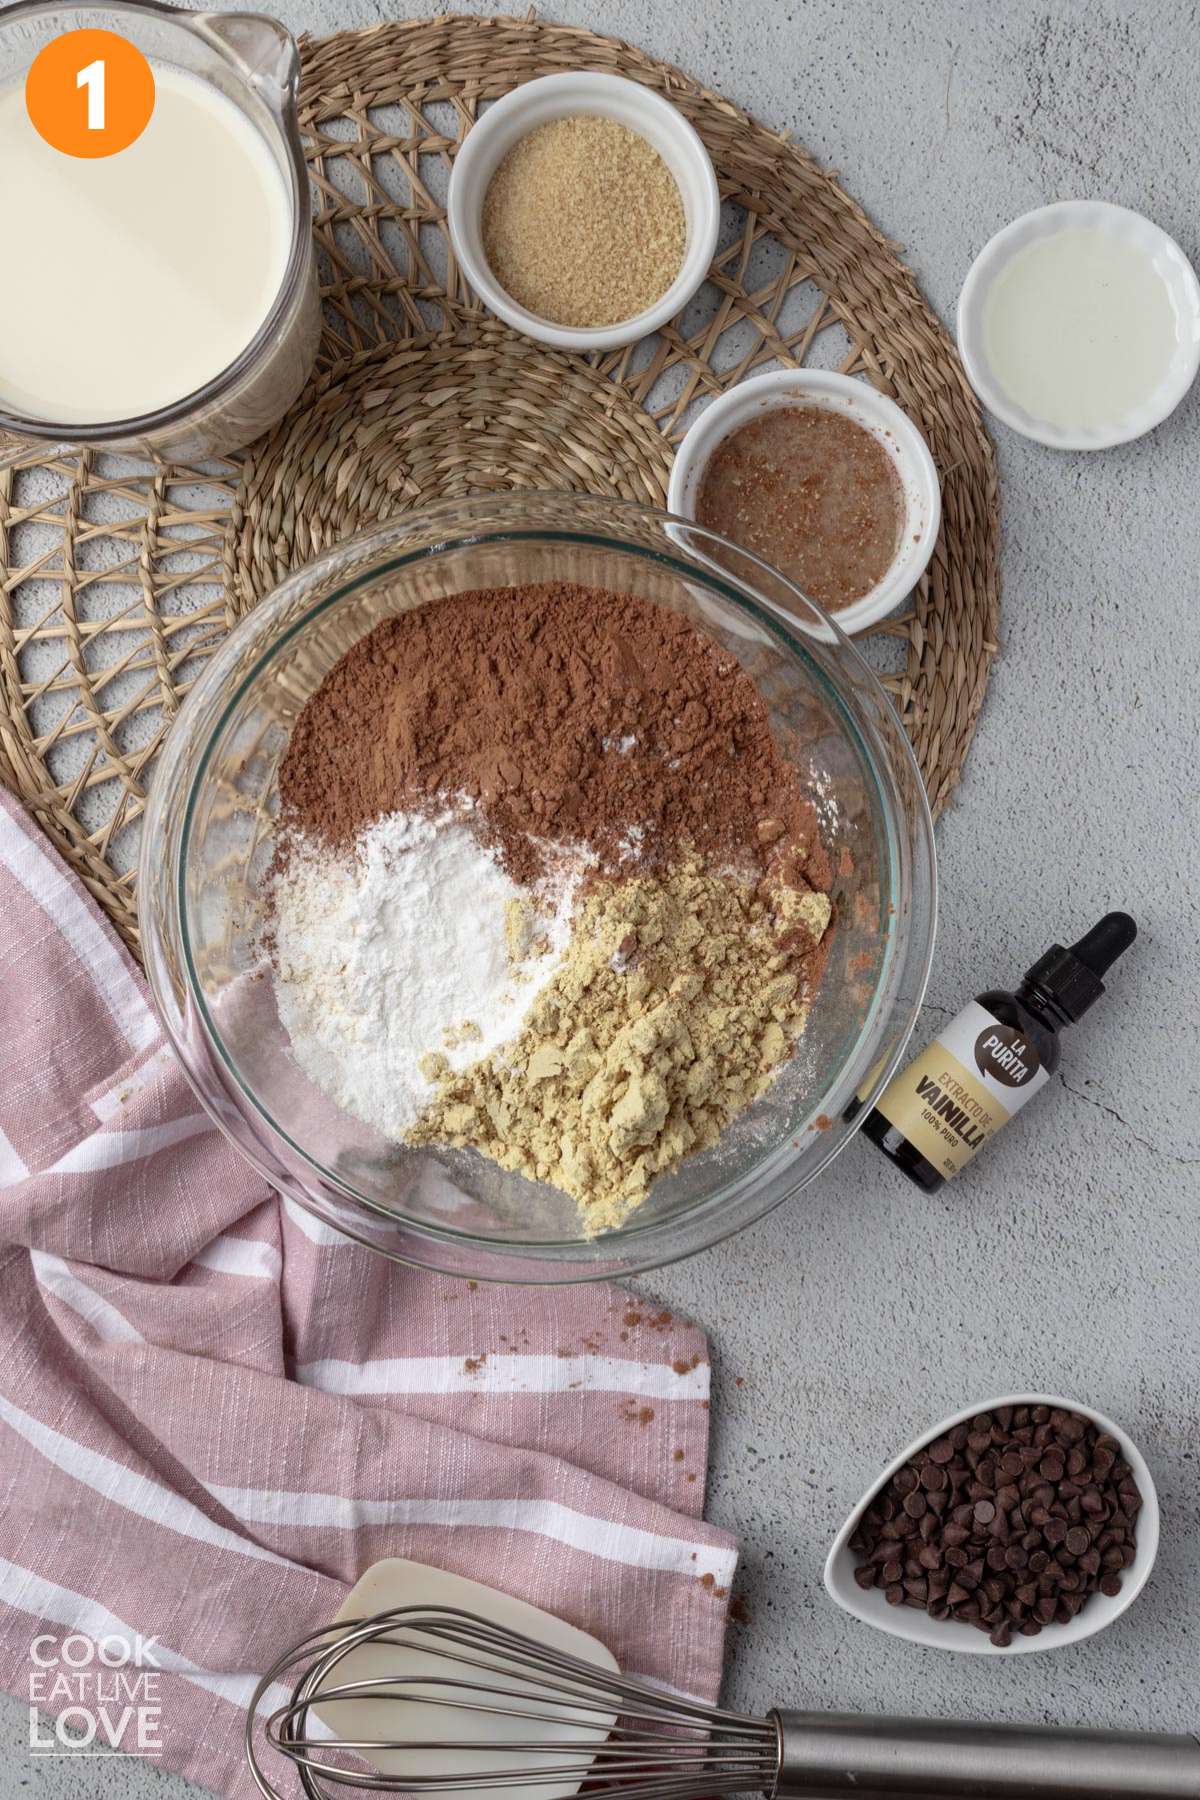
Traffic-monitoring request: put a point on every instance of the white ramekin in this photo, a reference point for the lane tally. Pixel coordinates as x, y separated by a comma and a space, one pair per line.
1170, 263
871, 1606
560, 97
861, 402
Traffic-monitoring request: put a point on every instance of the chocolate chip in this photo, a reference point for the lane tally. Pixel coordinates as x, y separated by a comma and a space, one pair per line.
1007, 1523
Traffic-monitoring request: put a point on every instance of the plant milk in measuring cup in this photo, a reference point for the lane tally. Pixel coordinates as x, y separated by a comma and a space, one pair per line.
161, 297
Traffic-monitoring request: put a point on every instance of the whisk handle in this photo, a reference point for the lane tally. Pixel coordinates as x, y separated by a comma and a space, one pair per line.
827, 1755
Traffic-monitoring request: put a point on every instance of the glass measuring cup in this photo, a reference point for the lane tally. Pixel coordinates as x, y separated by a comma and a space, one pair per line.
254, 63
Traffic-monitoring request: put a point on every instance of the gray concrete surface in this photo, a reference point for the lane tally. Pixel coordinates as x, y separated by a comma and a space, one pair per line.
1067, 1259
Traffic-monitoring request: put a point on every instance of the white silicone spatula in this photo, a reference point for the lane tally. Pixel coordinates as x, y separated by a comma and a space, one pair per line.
412, 1717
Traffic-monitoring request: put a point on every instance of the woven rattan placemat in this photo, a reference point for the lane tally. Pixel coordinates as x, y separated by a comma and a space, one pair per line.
115, 583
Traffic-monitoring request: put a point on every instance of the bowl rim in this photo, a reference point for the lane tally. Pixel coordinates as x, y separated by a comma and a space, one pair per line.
472, 169
638, 1245
934, 1634
1044, 221
730, 410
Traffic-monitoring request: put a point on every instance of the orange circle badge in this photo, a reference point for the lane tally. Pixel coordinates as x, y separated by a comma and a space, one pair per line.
90, 93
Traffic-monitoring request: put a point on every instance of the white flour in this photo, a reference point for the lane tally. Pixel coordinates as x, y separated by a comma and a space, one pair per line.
383, 953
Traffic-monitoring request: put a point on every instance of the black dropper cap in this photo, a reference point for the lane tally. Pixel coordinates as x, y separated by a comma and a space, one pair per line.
1071, 977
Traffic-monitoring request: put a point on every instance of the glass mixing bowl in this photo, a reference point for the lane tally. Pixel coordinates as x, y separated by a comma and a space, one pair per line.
209, 838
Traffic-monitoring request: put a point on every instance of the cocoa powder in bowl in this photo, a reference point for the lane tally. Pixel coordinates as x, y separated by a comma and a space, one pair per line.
550, 718
570, 714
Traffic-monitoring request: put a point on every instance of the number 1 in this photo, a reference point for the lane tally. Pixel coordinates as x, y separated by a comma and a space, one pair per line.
92, 78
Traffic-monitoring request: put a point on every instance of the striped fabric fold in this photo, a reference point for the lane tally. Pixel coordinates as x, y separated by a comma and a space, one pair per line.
215, 1411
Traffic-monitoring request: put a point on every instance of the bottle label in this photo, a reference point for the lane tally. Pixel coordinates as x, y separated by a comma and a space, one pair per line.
958, 1093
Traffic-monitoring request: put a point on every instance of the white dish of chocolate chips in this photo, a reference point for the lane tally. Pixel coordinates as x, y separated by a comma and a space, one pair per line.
1018, 1524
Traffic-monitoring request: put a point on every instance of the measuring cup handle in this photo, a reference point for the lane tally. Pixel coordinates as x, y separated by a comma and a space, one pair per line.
826, 1755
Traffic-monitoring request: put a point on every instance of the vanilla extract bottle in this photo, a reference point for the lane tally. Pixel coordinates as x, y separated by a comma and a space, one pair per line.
991, 1059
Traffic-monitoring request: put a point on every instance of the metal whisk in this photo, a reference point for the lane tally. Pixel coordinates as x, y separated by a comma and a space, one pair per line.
587, 1725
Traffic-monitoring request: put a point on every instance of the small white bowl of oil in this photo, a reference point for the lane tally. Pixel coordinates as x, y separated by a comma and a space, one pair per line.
1079, 325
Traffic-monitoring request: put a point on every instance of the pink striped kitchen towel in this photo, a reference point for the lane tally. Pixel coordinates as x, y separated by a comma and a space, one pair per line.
215, 1412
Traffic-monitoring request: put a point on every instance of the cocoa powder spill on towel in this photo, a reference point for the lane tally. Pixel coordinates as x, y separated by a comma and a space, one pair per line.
570, 715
